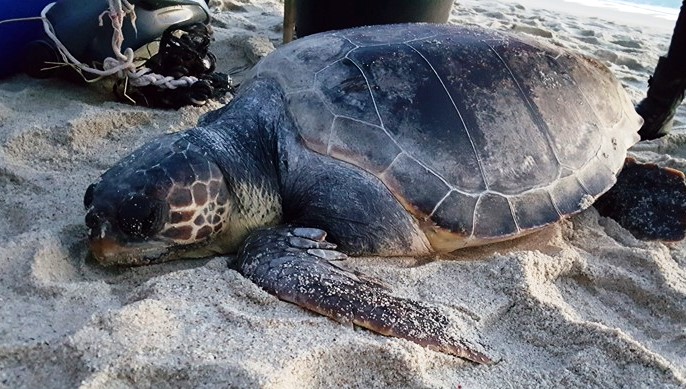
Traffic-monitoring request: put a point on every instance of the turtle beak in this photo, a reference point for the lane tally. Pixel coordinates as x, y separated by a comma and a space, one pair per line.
104, 249
108, 250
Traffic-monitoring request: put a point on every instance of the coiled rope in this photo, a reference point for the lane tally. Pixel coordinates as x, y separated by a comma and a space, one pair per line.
123, 65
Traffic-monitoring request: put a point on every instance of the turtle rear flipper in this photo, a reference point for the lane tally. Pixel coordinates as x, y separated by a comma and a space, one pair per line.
293, 264
648, 200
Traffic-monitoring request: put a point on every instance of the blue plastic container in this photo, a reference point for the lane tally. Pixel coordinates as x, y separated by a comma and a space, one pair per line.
14, 36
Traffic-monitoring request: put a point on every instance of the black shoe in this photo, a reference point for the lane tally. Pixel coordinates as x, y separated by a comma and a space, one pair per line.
665, 94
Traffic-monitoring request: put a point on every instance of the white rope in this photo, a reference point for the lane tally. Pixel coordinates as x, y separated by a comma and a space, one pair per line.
123, 66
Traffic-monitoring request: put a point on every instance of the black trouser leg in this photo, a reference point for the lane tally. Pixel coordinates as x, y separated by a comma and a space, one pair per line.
667, 85
677, 47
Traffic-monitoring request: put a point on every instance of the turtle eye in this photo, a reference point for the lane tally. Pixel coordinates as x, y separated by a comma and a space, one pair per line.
139, 216
88, 197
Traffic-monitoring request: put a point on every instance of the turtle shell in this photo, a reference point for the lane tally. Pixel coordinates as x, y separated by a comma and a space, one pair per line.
481, 135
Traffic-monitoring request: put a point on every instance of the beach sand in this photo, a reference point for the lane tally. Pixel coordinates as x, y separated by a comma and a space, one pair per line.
581, 304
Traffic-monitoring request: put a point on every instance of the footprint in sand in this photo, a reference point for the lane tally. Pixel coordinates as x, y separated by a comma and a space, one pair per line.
497, 15
60, 144
532, 30
233, 7
14, 203
589, 39
606, 55
629, 43
19, 218
631, 63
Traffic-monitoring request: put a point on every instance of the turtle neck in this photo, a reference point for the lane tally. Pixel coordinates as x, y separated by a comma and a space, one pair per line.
240, 138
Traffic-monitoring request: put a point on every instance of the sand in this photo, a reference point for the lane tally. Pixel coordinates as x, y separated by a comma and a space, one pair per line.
582, 304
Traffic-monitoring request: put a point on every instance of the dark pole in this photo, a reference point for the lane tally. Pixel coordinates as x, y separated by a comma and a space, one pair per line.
288, 20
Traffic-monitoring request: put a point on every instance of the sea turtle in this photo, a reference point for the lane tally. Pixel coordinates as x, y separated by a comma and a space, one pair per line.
400, 140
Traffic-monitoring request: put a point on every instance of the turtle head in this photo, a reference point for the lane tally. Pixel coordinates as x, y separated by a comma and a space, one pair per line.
166, 200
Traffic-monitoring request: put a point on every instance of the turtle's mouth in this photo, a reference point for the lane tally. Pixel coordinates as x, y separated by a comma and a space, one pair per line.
108, 251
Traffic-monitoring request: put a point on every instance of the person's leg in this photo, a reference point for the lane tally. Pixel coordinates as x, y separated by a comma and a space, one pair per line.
666, 86
677, 48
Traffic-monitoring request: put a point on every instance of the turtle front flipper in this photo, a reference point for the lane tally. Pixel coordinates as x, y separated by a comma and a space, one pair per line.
293, 264
648, 200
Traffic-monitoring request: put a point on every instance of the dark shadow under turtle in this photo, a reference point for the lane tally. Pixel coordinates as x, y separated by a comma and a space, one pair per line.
399, 140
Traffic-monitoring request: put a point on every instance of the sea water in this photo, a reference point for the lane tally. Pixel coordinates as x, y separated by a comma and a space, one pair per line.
659, 3
665, 9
